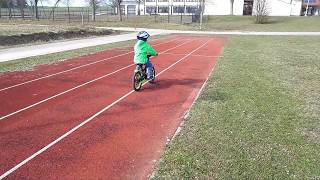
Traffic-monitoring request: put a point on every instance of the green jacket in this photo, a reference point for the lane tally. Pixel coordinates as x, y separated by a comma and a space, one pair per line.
141, 50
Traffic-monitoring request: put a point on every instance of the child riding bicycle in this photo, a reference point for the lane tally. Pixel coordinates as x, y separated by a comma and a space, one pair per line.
142, 52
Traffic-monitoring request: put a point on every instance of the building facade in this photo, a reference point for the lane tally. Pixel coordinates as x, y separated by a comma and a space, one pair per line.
218, 7
311, 8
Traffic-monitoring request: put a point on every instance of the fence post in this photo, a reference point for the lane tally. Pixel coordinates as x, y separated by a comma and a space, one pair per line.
82, 17
88, 11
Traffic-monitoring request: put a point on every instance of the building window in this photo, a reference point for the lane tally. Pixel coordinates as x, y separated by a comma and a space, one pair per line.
178, 9
192, 0
162, 0
163, 9
178, 0
310, 2
123, 9
131, 9
151, 9
150, 0
191, 9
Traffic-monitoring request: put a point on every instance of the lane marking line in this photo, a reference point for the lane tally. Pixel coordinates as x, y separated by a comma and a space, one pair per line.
86, 121
79, 86
197, 55
187, 113
78, 67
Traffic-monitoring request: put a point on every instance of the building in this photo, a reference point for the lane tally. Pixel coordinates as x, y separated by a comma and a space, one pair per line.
310, 7
161, 7
246, 7
217, 7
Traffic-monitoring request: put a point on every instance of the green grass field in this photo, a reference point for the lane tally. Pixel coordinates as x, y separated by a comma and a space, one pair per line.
246, 23
257, 118
225, 23
15, 28
211, 23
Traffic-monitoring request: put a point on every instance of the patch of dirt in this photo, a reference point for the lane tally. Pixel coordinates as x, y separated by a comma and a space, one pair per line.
48, 36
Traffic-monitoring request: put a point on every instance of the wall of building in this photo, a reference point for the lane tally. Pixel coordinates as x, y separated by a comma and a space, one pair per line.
217, 7
238, 7
284, 7
223, 7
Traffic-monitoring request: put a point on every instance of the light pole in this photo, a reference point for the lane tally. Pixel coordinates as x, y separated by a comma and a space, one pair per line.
307, 8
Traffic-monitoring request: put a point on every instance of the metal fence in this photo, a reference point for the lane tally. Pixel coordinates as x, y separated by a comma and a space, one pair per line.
84, 15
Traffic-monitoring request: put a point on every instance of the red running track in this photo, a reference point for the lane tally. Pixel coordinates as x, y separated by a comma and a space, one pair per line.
122, 142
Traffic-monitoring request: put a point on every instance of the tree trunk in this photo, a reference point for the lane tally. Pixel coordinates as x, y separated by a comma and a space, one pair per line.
9, 3
22, 12
93, 11
119, 12
10, 13
53, 11
231, 7
36, 7
139, 7
69, 12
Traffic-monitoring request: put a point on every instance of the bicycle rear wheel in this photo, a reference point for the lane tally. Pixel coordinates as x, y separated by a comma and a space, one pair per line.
137, 81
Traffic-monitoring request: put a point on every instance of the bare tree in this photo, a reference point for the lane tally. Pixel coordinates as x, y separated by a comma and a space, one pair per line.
117, 3
54, 8
10, 6
67, 3
261, 11
31, 6
36, 8
1, 1
21, 4
231, 7
139, 3
94, 4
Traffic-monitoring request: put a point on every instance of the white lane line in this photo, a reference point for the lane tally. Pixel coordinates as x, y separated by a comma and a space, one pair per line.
86, 121
78, 67
197, 55
187, 113
77, 87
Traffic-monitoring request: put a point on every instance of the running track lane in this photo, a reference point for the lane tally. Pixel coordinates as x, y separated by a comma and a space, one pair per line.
24, 133
112, 144
30, 130
14, 78
18, 98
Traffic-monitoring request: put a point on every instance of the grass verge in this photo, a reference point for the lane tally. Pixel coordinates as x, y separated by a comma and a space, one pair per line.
211, 23
258, 117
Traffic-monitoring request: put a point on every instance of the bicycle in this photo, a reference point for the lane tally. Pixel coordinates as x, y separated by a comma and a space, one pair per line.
140, 76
